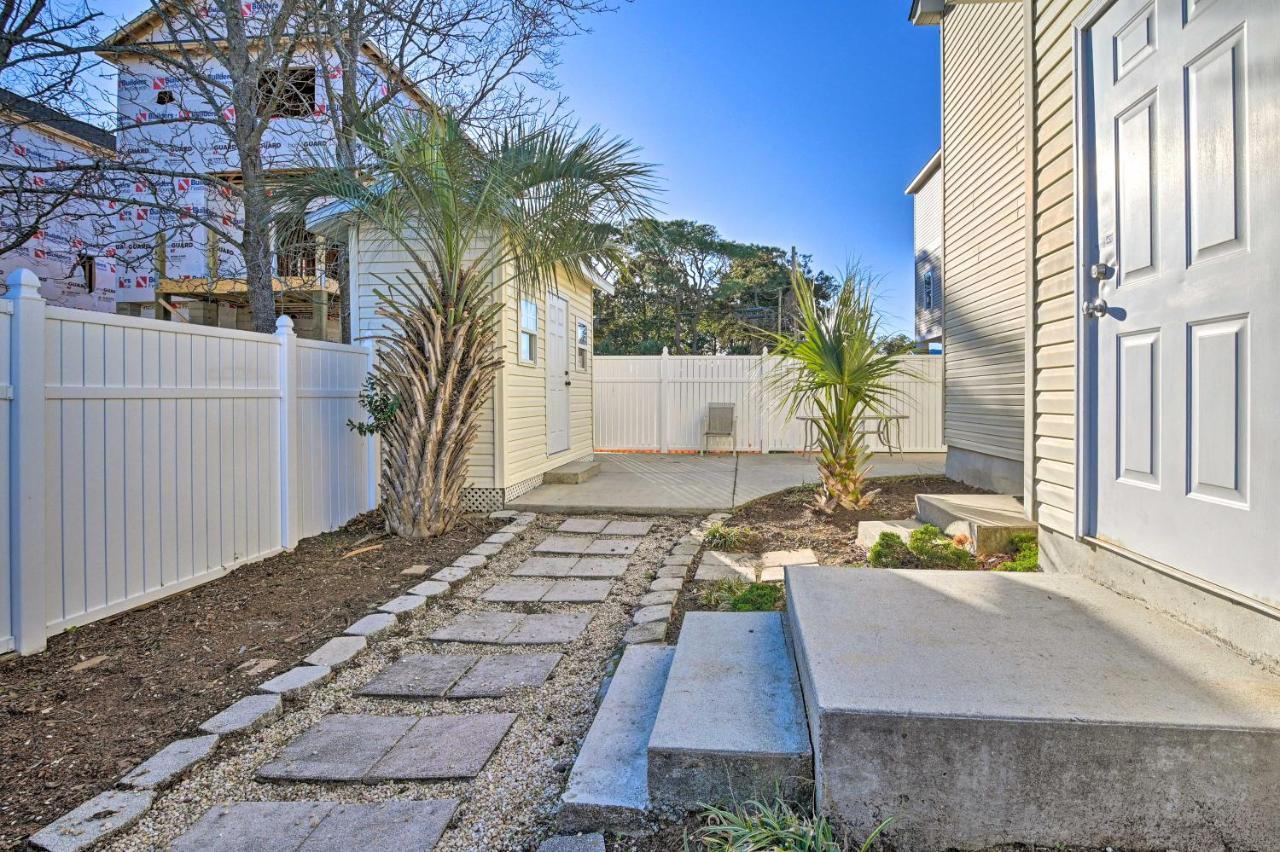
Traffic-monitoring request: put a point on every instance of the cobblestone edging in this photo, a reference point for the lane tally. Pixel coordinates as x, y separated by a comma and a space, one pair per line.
653, 616
115, 810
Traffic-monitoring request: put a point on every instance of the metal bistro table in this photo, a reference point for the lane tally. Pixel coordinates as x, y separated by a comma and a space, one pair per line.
887, 428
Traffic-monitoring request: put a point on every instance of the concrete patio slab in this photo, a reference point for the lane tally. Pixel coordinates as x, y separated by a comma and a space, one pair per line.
395, 826
545, 566
516, 591
419, 676
575, 544
495, 676
548, 628
478, 627
1047, 710
339, 747
253, 826
612, 547
578, 591
583, 525
628, 528
598, 566
679, 483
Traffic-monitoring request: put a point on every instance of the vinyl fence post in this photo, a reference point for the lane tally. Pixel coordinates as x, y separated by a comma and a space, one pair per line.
26, 462
290, 493
763, 402
664, 444
373, 450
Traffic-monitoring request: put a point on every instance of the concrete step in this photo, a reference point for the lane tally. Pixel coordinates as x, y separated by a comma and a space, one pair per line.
983, 708
731, 726
869, 531
989, 520
572, 473
608, 787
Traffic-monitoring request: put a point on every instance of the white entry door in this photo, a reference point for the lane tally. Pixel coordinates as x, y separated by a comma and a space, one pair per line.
1181, 237
557, 374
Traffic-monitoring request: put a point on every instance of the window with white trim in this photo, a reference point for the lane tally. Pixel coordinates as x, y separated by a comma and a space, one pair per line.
584, 344
527, 349
928, 290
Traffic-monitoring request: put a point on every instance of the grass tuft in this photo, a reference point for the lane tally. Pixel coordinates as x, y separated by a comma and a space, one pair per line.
721, 536
768, 827
1026, 554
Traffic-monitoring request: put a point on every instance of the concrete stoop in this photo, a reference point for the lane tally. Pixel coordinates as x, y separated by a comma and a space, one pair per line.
989, 520
572, 473
716, 720
986, 708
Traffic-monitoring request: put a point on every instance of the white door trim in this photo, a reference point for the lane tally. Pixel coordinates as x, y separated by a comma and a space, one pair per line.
560, 382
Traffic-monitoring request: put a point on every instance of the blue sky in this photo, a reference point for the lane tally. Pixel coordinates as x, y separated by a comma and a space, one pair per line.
786, 123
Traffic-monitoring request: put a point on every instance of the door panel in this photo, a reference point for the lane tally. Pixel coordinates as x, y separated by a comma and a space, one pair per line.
1181, 158
557, 375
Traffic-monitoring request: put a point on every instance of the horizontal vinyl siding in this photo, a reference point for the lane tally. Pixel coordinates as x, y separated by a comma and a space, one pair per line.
1054, 259
524, 389
984, 244
382, 261
928, 257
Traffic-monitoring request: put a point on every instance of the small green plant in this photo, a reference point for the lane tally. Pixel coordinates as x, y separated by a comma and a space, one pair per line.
721, 536
757, 597
890, 551
381, 403
935, 550
720, 594
1026, 554
768, 827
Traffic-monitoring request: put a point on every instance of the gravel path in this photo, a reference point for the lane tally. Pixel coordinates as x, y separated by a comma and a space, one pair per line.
510, 805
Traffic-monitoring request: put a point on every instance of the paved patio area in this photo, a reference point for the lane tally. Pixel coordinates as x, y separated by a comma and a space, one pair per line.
652, 483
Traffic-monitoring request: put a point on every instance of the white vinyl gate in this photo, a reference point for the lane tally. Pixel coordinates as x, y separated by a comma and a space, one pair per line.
658, 403
145, 457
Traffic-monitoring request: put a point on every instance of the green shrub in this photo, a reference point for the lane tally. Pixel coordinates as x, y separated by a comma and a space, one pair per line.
769, 827
1026, 554
757, 597
721, 536
720, 594
890, 551
935, 550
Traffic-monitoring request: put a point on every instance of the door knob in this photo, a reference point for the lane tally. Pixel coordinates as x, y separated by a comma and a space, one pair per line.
1095, 308
1102, 272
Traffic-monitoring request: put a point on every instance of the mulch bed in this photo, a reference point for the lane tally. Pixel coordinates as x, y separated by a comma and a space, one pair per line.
106, 696
786, 520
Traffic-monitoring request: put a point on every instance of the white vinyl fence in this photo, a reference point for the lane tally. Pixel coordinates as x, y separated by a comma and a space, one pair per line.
658, 403
146, 457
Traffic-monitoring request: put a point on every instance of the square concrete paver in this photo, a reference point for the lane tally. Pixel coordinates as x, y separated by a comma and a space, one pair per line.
583, 525
102, 816
515, 591
419, 676
548, 629
576, 544
495, 676
719, 566
478, 627
167, 765
782, 558
395, 826
598, 566
578, 591
245, 715
628, 528
339, 747
612, 547
545, 566
253, 826
443, 747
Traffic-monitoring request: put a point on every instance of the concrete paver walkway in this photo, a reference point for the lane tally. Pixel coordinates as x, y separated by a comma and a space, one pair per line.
653, 483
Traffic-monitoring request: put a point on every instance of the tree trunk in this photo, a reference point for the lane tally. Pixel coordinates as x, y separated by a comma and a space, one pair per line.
257, 251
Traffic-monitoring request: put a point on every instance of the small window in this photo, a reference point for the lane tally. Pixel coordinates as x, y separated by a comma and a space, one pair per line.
528, 347
164, 97
296, 248
584, 345
288, 94
928, 290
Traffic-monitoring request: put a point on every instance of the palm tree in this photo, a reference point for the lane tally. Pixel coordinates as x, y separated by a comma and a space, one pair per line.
833, 362
473, 216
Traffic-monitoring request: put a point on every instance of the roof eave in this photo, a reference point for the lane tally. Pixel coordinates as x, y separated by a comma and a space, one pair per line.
927, 13
930, 168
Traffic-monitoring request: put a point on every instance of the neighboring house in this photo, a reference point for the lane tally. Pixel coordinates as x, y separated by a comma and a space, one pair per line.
540, 414
177, 264
69, 249
983, 243
926, 195
1133, 203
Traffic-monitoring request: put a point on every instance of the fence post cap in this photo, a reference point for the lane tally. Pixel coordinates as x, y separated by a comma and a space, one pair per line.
664, 351
284, 324
23, 284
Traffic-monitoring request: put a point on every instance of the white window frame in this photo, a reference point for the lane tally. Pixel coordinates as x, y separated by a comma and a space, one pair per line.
581, 346
526, 332
928, 289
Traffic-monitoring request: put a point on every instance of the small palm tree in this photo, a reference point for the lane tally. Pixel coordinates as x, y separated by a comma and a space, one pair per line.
471, 216
832, 362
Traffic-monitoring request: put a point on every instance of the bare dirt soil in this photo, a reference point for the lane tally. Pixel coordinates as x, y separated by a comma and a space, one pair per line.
106, 696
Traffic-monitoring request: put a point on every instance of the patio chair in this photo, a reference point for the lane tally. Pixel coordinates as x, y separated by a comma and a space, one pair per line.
721, 423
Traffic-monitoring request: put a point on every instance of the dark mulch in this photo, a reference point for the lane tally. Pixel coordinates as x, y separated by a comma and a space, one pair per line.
66, 735
786, 520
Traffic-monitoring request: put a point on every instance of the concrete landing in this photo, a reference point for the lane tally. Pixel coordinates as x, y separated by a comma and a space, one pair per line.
989, 520
608, 787
986, 708
572, 473
731, 726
